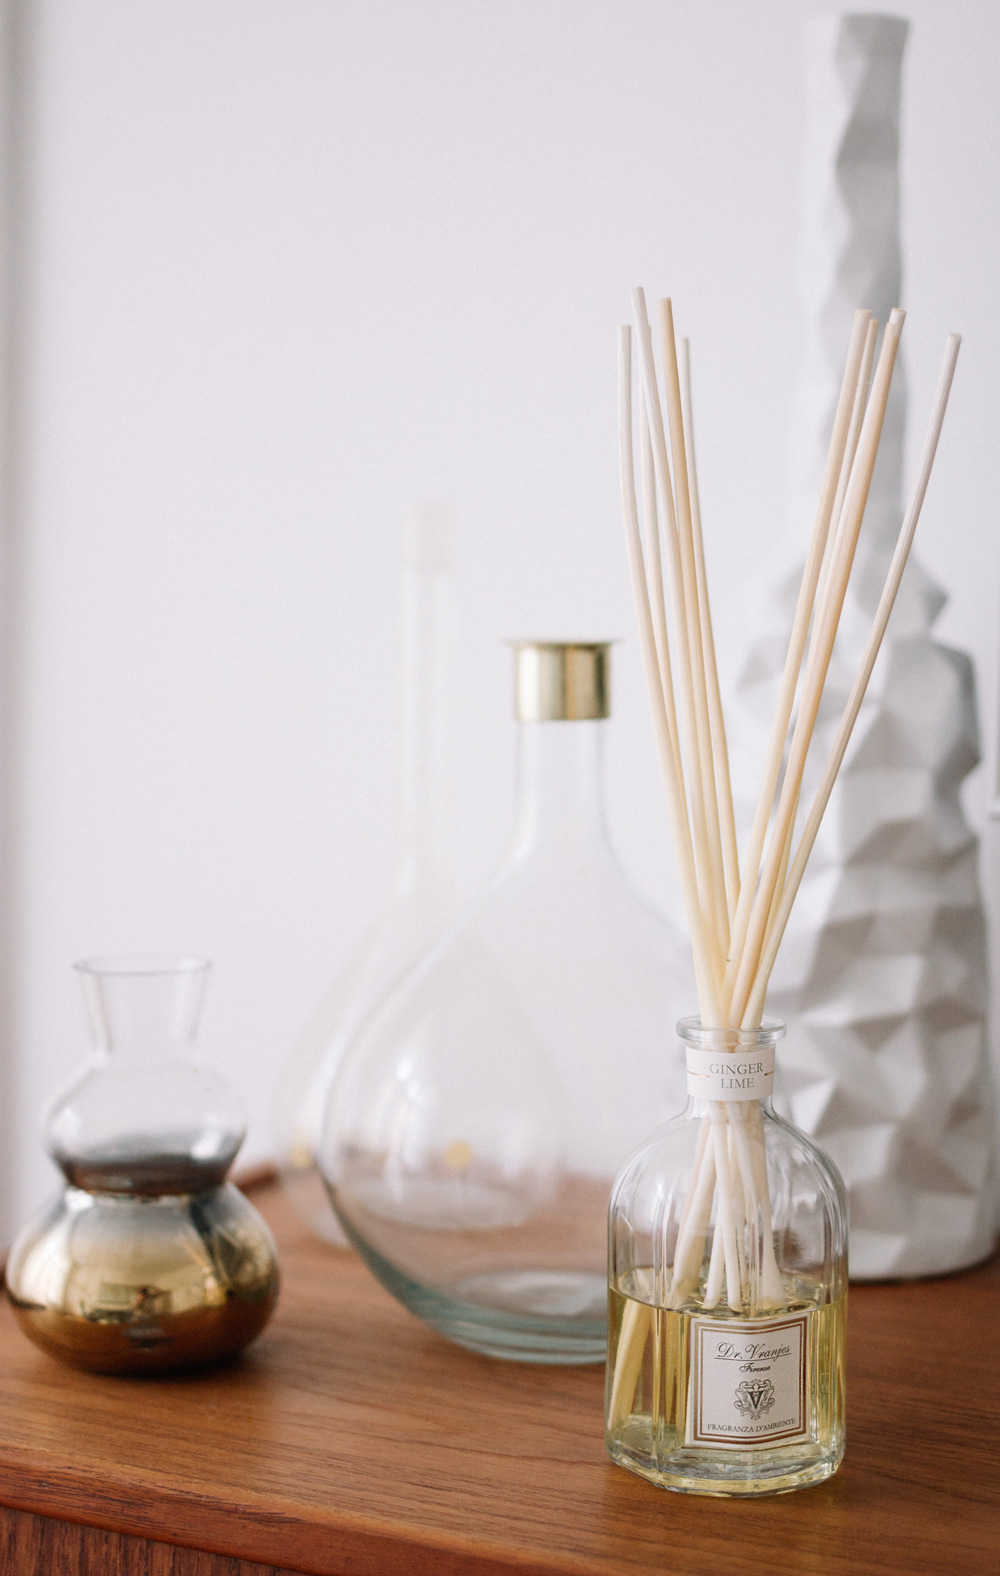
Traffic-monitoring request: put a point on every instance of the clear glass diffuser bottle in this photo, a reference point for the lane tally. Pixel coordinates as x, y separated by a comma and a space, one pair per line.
149, 1259
423, 898
480, 1116
727, 1267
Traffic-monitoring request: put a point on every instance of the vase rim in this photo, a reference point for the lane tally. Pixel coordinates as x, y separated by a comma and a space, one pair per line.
132, 964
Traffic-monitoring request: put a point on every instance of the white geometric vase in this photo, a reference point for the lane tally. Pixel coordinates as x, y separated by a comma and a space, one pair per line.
882, 974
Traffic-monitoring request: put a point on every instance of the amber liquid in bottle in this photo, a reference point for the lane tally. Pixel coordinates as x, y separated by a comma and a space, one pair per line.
655, 1390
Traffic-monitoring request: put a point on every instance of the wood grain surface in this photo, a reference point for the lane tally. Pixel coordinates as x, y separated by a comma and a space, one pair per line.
40, 1546
351, 1441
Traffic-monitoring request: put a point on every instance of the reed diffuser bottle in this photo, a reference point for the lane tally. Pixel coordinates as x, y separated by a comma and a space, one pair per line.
728, 1285
728, 1234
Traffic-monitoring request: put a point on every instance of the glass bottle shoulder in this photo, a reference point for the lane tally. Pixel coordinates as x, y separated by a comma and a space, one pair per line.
664, 1161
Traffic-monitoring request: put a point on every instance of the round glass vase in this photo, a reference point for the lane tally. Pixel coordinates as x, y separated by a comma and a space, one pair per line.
480, 1116
727, 1271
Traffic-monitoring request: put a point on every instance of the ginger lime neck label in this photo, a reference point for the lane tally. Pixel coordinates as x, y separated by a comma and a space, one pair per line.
730, 1075
749, 1381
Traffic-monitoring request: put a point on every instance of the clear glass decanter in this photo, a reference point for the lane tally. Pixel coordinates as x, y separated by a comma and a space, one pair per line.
480, 1116
727, 1268
149, 1259
423, 898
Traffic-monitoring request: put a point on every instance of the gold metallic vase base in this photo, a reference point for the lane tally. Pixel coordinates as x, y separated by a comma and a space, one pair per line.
126, 1285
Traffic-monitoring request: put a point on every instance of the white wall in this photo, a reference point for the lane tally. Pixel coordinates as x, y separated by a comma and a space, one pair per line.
294, 264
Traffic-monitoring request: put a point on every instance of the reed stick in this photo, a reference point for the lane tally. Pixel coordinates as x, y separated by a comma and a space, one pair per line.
851, 449
817, 666
705, 967
637, 1322
751, 906
717, 721
654, 578
698, 614
796, 646
688, 652
894, 575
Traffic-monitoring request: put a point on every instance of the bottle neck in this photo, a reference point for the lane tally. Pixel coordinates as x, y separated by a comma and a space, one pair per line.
144, 1008
425, 621
744, 1110
560, 794
730, 1066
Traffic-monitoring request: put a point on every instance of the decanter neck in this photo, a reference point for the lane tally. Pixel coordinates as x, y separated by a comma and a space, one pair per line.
425, 628
560, 799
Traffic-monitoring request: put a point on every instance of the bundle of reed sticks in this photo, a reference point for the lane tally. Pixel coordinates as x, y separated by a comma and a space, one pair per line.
737, 910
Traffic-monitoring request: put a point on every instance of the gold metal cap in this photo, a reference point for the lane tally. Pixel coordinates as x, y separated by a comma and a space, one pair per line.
561, 681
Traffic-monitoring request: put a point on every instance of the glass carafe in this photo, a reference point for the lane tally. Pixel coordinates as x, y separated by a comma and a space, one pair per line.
482, 1113
149, 1259
423, 898
727, 1287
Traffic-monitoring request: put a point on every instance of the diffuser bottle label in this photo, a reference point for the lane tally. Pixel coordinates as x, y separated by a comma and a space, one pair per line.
730, 1075
749, 1381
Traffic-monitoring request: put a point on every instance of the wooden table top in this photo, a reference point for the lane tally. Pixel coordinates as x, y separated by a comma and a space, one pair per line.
350, 1439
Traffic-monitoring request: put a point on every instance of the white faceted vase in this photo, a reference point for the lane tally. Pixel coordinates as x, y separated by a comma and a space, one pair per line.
882, 975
